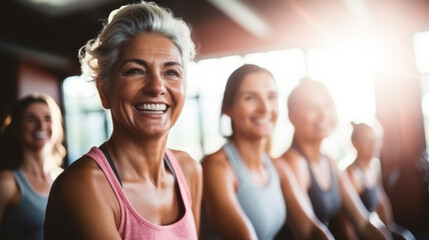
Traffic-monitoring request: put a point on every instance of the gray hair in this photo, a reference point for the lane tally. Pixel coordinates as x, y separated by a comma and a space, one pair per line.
99, 56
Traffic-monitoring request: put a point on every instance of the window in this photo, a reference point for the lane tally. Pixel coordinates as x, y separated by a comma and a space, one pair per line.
87, 124
421, 48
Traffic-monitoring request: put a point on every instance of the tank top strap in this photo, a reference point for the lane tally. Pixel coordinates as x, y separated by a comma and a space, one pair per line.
331, 174
234, 158
172, 164
110, 161
25, 188
20, 179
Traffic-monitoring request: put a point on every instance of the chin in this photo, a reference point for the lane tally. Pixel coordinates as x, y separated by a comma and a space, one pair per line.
153, 133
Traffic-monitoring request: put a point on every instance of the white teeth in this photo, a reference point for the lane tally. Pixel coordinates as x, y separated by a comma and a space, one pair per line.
40, 135
151, 107
262, 120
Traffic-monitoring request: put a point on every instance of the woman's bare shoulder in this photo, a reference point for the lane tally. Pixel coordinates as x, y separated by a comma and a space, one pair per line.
6, 176
85, 167
292, 157
81, 196
83, 175
216, 158
8, 187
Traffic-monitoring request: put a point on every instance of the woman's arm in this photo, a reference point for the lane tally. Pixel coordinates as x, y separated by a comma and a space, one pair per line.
220, 200
300, 217
356, 211
9, 193
384, 209
82, 205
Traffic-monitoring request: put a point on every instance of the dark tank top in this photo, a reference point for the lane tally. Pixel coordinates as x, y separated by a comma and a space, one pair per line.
369, 198
326, 203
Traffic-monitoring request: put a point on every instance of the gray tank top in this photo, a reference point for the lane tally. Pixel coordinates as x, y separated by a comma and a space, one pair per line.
26, 219
264, 206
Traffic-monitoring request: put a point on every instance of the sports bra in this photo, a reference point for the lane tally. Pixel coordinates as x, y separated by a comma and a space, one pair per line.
369, 198
326, 203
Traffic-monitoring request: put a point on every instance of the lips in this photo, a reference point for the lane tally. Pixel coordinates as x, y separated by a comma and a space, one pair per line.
152, 107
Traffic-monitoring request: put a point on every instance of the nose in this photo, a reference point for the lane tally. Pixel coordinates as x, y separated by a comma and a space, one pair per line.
40, 124
154, 85
264, 105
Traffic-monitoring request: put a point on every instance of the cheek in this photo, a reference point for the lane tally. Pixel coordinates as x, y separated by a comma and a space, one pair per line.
50, 128
179, 96
275, 111
25, 128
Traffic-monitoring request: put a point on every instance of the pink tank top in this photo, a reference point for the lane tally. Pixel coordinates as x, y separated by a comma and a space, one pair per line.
134, 226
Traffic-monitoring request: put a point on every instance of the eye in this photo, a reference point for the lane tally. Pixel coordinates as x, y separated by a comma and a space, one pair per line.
173, 74
249, 97
272, 96
48, 118
134, 72
30, 118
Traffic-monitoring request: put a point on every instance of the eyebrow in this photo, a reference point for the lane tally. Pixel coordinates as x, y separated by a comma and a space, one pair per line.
144, 63
256, 92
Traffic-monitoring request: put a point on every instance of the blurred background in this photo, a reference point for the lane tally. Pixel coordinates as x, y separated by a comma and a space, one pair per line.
372, 54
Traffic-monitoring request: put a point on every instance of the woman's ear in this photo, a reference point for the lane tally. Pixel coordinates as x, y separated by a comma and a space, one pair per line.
104, 101
227, 112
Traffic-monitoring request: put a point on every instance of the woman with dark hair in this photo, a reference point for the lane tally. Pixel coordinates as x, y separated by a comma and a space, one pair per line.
132, 186
242, 194
365, 175
31, 153
313, 115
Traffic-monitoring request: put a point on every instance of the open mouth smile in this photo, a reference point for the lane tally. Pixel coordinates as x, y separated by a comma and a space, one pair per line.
154, 108
40, 135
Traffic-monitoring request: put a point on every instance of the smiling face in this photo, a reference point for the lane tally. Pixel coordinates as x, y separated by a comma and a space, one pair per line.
365, 141
255, 108
313, 114
147, 92
35, 128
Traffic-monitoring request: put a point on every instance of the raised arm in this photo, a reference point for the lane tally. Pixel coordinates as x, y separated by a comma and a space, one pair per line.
82, 205
220, 201
300, 217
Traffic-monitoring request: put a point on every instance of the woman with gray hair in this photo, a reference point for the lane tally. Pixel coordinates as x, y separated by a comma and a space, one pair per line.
132, 187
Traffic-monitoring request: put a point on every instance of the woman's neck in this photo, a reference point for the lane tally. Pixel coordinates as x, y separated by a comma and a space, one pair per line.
138, 159
34, 162
310, 150
251, 151
362, 162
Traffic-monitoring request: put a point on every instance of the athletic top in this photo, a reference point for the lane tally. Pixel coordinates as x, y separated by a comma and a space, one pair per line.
369, 198
326, 204
264, 206
26, 219
132, 224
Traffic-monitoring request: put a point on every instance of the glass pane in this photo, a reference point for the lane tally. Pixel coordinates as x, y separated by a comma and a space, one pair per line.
349, 72
421, 47
87, 124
